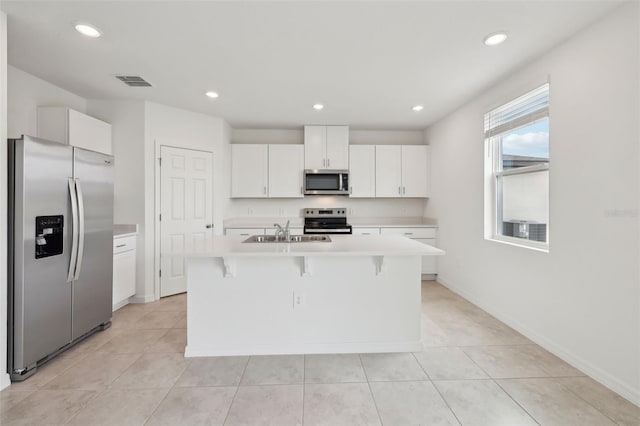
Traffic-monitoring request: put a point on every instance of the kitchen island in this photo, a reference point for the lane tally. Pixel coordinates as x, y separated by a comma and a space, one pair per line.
353, 294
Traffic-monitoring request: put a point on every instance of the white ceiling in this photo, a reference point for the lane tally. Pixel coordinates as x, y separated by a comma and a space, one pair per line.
367, 62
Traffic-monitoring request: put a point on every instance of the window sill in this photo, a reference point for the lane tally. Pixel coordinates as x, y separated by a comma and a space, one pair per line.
518, 242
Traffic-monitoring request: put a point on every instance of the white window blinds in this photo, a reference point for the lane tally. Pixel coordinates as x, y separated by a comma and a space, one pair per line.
526, 109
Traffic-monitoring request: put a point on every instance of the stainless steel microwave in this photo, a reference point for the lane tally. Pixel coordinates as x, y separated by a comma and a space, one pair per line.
326, 182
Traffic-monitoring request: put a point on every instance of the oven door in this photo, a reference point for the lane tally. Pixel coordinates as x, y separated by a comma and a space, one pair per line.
326, 182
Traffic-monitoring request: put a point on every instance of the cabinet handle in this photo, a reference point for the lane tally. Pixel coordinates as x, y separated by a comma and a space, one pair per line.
244, 234
351, 190
408, 233
404, 190
366, 233
324, 163
120, 245
209, 226
265, 190
328, 162
399, 190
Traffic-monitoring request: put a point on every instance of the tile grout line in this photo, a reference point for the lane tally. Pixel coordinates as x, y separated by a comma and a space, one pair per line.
437, 390
304, 384
160, 403
373, 397
555, 379
226, 417
514, 400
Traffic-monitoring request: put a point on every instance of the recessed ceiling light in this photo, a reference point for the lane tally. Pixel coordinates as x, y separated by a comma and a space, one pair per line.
417, 108
318, 107
88, 30
212, 95
495, 38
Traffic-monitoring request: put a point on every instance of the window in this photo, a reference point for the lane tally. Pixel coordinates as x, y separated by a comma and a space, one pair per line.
517, 170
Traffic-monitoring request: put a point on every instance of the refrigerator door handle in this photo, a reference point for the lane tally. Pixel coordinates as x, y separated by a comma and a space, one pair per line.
74, 230
80, 230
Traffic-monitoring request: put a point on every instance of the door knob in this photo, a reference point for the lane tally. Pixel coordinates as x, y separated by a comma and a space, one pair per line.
209, 225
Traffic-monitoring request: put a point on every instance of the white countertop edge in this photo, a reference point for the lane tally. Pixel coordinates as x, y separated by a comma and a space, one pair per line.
129, 234
356, 222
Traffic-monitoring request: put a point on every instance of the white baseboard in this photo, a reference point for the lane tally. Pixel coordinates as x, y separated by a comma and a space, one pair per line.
120, 304
558, 350
147, 298
5, 380
302, 348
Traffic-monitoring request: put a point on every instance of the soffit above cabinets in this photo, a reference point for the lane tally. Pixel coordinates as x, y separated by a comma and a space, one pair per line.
368, 63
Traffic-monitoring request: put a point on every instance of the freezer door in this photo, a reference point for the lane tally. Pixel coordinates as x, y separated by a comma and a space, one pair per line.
92, 286
40, 240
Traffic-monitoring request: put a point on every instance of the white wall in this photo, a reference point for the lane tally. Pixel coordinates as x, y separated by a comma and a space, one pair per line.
127, 120
25, 93
175, 127
4, 377
581, 300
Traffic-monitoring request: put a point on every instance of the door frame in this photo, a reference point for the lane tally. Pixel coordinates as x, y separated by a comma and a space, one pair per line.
157, 240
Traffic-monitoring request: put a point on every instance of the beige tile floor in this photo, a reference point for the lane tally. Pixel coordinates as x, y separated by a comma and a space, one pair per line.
474, 370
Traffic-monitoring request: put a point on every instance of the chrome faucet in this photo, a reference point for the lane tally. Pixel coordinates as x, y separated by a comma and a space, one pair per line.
286, 235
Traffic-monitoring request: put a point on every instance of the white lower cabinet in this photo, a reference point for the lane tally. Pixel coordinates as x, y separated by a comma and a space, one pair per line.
366, 231
124, 270
244, 231
423, 235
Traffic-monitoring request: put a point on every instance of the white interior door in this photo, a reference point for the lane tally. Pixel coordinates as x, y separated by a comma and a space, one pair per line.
186, 208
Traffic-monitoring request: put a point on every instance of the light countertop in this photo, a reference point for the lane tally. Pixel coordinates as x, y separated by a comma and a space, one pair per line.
340, 245
297, 222
124, 230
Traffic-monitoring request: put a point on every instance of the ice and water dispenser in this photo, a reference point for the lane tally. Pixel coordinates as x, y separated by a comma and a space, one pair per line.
49, 235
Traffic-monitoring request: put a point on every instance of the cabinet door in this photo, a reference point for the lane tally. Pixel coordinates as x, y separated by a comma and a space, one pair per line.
366, 231
429, 263
286, 168
89, 133
315, 147
337, 147
362, 171
415, 167
124, 276
388, 171
249, 173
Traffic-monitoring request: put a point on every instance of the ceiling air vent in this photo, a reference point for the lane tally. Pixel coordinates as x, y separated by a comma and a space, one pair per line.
133, 80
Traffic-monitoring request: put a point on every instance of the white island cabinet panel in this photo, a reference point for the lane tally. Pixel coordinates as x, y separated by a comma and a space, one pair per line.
362, 171
246, 232
358, 293
286, 169
249, 171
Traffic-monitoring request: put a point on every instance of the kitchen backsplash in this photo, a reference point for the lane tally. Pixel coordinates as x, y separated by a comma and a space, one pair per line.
386, 207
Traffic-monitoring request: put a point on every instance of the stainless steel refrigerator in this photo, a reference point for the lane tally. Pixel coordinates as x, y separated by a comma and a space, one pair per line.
60, 249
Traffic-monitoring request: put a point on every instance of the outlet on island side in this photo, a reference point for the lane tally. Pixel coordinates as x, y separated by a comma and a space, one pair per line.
298, 300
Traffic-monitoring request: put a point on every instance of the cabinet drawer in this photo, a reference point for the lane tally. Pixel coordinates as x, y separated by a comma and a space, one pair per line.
122, 244
411, 232
366, 231
244, 231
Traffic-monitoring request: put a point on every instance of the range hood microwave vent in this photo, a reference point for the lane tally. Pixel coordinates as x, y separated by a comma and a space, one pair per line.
133, 80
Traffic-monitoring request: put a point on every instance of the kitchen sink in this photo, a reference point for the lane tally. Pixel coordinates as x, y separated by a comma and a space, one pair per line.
293, 239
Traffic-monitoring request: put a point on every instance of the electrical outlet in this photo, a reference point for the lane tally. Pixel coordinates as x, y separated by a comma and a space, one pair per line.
350, 211
298, 300
250, 211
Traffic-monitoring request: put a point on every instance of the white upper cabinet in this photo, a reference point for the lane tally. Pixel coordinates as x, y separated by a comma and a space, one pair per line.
315, 147
402, 171
388, 171
67, 126
249, 171
338, 147
286, 168
362, 171
415, 167
326, 147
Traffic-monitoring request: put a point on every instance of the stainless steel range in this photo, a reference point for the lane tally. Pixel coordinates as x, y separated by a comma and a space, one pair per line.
326, 221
